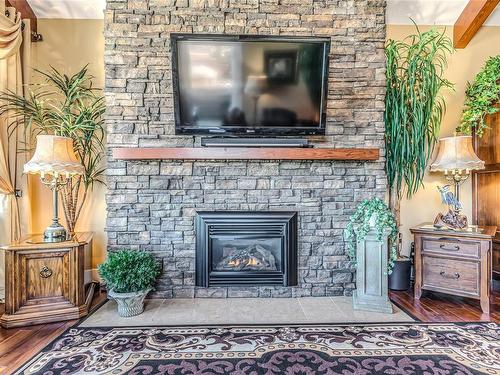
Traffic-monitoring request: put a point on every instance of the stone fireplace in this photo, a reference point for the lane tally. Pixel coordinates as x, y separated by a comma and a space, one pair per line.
240, 248
152, 205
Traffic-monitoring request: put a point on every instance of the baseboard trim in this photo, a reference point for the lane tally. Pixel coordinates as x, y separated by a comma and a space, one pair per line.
90, 275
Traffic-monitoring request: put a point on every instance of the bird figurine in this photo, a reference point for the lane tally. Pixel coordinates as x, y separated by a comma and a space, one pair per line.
447, 197
452, 219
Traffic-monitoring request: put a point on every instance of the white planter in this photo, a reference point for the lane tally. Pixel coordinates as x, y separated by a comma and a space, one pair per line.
129, 304
371, 292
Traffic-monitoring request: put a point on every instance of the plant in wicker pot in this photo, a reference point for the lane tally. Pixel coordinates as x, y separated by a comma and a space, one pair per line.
130, 275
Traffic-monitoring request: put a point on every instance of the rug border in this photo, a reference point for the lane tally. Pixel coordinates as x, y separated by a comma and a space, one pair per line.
23, 367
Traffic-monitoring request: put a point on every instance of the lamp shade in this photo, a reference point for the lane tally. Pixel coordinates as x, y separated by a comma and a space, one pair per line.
54, 155
456, 153
255, 85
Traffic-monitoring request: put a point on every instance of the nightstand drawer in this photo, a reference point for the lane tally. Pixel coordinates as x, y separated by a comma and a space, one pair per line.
46, 276
452, 247
451, 275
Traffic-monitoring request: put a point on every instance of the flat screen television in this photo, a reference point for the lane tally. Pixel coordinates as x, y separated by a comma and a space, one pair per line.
249, 85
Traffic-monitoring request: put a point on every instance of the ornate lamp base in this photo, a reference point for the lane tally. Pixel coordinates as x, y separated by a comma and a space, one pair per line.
452, 220
55, 233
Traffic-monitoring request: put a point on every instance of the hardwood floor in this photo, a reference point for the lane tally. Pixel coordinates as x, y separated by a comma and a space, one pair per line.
438, 307
18, 345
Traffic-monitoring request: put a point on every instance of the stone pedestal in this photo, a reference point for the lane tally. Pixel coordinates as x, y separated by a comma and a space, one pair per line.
371, 292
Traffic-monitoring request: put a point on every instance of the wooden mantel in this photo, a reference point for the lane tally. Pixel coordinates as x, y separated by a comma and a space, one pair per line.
245, 153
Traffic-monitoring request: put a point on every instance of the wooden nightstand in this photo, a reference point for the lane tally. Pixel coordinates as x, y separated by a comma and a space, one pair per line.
44, 282
454, 262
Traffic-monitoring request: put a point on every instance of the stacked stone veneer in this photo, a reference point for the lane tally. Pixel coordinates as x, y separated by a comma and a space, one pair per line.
151, 204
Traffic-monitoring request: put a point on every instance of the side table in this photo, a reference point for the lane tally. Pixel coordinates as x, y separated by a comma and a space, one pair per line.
454, 262
44, 282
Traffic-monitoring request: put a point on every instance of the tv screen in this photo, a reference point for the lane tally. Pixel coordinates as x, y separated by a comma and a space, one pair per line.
244, 85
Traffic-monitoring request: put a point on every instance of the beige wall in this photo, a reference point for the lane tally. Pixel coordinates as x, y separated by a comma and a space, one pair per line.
70, 44
463, 65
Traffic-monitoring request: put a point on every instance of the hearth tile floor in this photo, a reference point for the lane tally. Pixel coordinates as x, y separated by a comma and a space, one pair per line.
243, 311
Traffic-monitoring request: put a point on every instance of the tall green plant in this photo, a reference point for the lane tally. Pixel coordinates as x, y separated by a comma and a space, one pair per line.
414, 108
67, 106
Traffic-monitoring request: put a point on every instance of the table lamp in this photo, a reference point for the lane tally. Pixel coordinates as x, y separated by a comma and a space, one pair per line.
255, 87
55, 161
456, 158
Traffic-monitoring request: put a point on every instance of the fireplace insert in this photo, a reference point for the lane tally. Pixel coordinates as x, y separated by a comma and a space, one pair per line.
246, 248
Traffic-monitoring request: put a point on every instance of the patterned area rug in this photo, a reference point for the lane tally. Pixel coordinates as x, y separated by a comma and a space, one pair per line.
471, 348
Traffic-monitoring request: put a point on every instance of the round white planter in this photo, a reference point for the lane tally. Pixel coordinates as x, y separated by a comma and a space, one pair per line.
129, 304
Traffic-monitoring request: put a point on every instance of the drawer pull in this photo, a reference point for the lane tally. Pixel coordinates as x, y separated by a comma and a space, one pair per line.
456, 275
454, 248
45, 272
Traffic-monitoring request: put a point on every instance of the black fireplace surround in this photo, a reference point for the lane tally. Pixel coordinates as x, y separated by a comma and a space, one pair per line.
235, 248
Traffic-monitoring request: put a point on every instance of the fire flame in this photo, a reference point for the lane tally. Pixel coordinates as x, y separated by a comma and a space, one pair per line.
247, 262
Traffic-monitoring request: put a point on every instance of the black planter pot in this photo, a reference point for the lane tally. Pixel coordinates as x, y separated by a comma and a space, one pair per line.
399, 279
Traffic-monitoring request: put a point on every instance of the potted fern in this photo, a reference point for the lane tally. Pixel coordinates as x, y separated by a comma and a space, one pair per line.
371, 236
130, 275
414, 108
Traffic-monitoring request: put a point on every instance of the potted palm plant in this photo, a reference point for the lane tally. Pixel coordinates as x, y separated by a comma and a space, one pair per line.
68, 106
129, 275
414, 108
371, 241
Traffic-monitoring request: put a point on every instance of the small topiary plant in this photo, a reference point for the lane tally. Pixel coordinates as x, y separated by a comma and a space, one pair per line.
127, 271
359, 226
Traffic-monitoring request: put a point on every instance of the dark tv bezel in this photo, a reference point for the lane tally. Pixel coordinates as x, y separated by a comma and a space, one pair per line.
248, 131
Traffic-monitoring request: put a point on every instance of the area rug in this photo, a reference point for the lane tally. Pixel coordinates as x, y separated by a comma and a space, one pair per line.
469, 348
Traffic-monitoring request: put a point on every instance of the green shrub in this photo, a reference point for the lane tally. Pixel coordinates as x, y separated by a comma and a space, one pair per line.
129, 270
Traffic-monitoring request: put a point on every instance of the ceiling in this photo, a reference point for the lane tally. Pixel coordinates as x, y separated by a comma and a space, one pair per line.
431, 12
399, 12
68, 9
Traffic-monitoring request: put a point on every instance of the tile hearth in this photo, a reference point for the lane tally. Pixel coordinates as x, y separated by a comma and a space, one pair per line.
230, 311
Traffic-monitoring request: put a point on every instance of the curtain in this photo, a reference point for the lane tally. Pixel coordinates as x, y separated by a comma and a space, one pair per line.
14, 59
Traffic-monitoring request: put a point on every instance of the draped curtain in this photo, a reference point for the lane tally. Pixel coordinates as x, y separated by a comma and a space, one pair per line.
14, 73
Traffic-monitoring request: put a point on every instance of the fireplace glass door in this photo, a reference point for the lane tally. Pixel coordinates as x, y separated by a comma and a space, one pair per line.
236, 248
246, 254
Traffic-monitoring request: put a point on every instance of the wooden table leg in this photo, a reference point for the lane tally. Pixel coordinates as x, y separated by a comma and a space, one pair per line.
418, 291
485, 304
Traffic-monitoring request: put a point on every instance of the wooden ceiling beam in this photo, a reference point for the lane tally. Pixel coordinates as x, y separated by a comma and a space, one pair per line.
27, 12
471, 19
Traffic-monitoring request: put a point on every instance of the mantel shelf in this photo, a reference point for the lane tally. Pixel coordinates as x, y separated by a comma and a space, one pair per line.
245, 153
